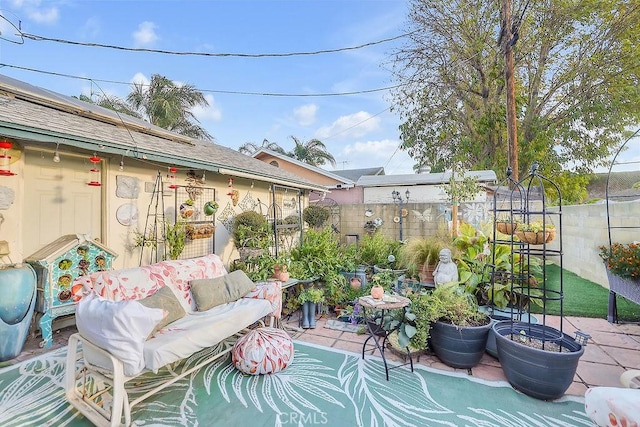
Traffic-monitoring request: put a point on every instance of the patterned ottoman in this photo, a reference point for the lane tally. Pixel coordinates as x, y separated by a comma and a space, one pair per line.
263, 351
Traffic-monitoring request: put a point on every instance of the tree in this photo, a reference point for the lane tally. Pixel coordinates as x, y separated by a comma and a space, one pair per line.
312, 152
250, 148
112, 103
168, 105
577, 83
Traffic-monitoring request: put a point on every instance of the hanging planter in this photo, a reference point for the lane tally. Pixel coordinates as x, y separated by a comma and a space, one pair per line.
506, 227
187, 209
210, 208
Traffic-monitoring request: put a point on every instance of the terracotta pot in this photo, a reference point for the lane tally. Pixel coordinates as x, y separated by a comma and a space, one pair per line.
426, 273
355, 283
377, 292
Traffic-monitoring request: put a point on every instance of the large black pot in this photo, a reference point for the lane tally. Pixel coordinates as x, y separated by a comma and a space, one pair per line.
459, 346
537, 373
500, 315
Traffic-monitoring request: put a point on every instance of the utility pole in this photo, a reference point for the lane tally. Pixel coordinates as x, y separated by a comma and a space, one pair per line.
508, 40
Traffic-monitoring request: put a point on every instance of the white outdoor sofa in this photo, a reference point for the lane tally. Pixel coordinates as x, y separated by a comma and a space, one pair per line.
119, 336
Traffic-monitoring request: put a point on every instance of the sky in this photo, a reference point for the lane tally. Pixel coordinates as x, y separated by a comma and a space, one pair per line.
359, 130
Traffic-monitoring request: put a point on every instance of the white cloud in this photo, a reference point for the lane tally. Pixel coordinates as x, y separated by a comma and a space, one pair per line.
146, 34
212, 112
35, 12
140, 78
306, 114
352, 126
91, 28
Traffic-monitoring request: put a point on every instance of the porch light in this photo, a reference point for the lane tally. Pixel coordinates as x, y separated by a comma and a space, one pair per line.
582, 338
56, 154
5, 158
172, 177
94, 173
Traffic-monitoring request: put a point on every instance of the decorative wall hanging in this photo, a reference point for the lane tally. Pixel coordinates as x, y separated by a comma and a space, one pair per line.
235, 196
424, 216
7, 197
227, 216
127, 214
127, 187
248, 203
94, 172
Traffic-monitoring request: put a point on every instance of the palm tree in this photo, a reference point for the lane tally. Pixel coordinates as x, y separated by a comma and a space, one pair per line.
312, 152
249, 148
112, 103
165, 104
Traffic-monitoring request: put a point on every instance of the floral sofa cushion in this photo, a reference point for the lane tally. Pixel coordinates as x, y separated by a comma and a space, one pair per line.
140, 282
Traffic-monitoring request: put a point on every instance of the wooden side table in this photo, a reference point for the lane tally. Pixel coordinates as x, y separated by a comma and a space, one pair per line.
370, 308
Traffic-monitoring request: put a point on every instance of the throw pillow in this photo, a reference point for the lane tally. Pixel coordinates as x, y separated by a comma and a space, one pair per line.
208, 293
165, 299
120, 327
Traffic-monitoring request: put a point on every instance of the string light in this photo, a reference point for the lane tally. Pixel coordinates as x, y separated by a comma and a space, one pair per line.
56, 154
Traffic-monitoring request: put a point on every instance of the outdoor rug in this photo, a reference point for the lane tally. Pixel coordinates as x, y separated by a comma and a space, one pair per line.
322, 387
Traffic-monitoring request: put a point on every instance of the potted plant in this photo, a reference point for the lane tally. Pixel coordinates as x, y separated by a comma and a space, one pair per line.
508, 224
622, 262
308, 299
187, 209
210, 208
176, 237
420, 256
537, 359
536, 232
458, 330
250, 234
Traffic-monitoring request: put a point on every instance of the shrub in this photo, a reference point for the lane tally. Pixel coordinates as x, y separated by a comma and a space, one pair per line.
250, 229
315, 215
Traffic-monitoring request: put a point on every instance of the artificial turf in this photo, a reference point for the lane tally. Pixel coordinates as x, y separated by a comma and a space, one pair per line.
584, 298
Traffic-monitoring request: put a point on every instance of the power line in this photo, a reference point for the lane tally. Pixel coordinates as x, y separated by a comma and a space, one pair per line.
228, 92
35, 37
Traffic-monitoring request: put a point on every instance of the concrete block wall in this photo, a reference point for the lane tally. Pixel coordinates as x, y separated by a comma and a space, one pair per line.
584, 230
421, 220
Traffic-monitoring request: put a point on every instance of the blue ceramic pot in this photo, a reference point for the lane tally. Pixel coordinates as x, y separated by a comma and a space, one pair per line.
18, 290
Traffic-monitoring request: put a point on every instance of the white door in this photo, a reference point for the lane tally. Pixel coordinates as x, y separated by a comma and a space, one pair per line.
58, 200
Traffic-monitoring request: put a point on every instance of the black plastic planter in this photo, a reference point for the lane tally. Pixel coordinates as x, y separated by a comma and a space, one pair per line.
499, 315
459, 347
538, 373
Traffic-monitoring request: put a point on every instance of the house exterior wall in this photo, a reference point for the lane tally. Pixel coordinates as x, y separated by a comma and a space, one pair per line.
300, 171
346, 196
417, 194
116, 236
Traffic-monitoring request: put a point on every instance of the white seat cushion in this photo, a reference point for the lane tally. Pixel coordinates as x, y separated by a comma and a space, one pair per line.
200, 330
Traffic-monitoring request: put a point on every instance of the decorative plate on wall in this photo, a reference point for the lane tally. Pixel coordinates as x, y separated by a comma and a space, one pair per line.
127, 214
